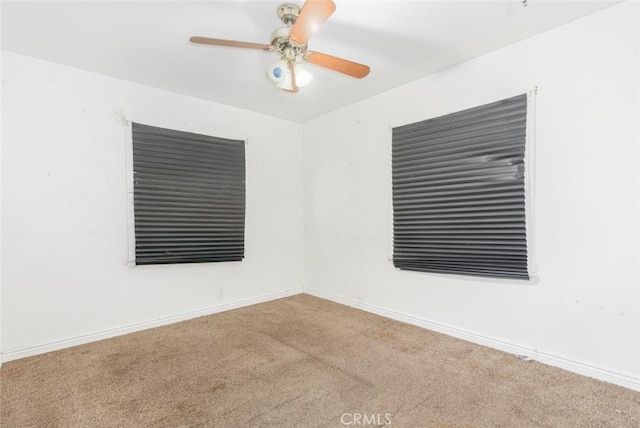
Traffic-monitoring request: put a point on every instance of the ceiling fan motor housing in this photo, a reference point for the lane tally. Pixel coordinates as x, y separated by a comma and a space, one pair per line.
280, 35
287, 48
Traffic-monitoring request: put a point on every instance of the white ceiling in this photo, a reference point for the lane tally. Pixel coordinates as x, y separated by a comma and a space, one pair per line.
147, 42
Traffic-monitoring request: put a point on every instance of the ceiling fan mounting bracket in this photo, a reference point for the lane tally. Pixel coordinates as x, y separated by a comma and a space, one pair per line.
288, 13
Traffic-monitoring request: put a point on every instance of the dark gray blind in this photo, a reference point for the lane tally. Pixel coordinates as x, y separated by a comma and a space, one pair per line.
458, 192
189, 197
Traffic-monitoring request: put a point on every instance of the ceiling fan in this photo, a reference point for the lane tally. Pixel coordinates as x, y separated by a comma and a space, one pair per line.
290, 43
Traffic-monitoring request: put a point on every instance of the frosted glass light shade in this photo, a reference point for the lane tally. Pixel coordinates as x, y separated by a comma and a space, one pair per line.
281, 75
279, 71
303, 76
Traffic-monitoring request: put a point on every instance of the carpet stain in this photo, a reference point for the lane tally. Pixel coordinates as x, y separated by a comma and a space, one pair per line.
217, 387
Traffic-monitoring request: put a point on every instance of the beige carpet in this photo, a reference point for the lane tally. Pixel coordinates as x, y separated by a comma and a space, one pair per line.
300, 362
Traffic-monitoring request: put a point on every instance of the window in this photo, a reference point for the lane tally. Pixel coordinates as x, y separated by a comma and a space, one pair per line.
188, 197
459, 192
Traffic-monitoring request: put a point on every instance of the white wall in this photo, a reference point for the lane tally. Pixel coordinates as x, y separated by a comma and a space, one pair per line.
1, 85
583, 313
65, 278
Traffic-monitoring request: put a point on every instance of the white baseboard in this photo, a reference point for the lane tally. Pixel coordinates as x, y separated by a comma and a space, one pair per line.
606, 375
29, 351
549, 358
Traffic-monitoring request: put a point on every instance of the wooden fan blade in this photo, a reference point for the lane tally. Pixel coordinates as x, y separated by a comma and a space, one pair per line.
347, 67
312, 16
294, 87
228, 43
